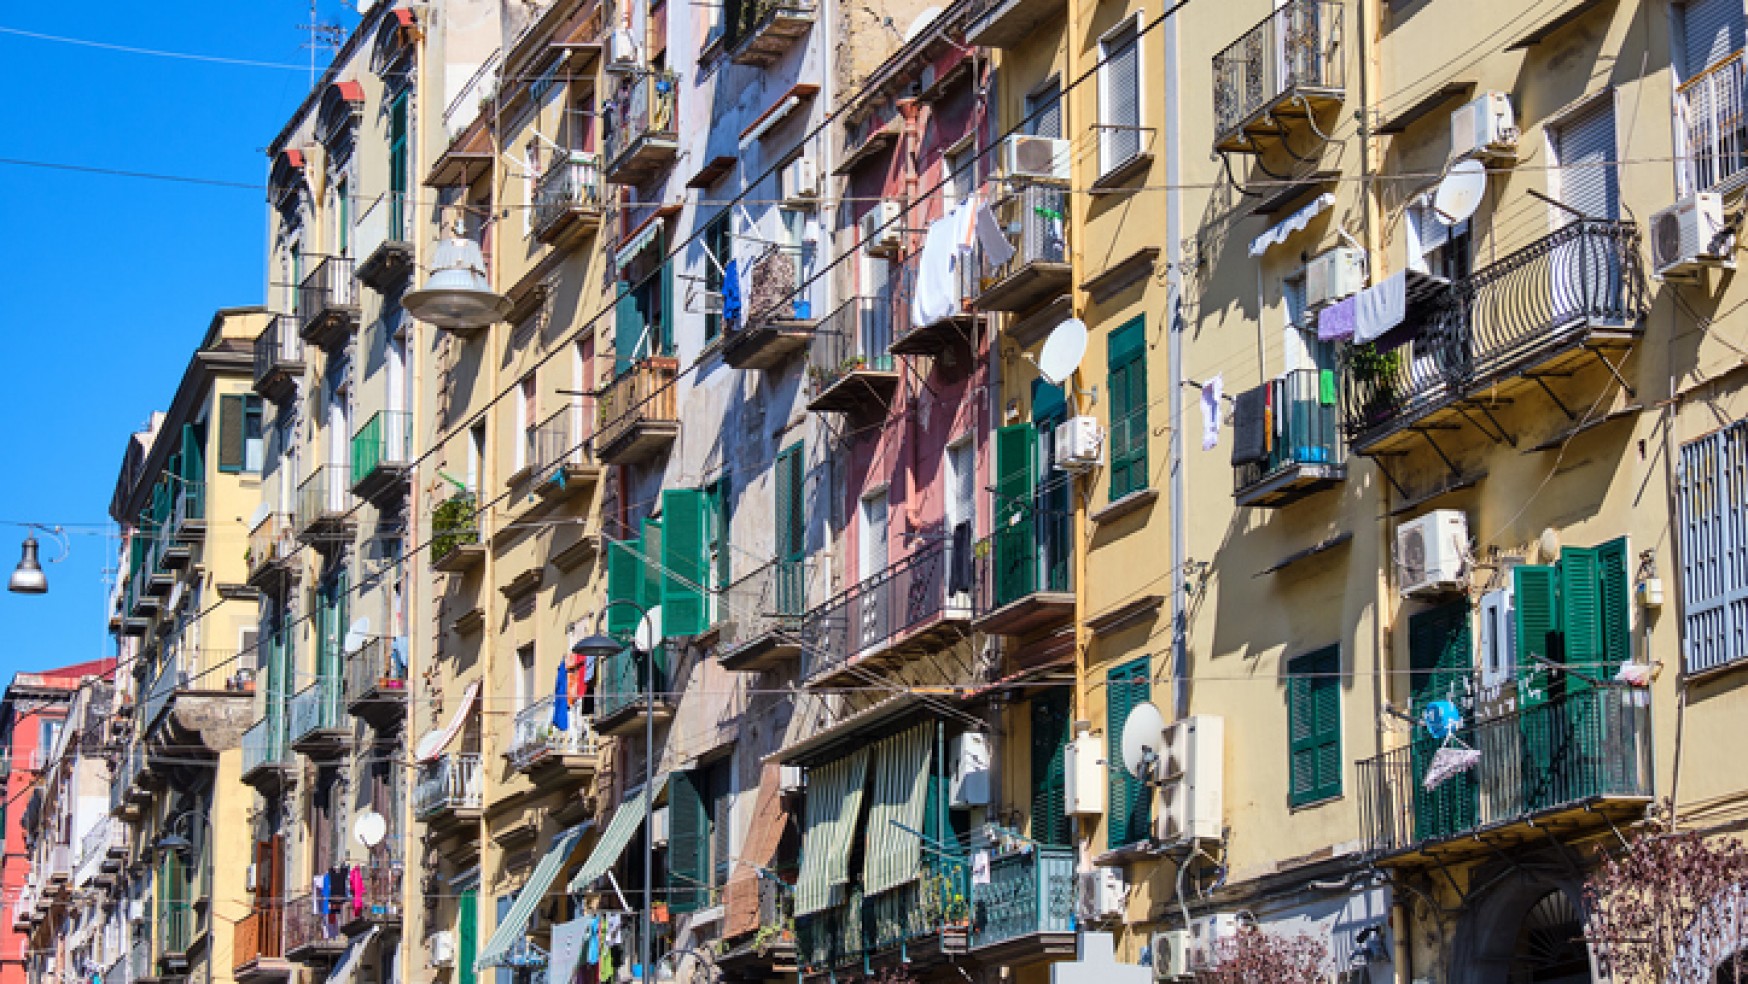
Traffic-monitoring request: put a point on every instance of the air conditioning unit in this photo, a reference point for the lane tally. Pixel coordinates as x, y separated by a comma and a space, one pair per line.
1192, 798
658, 827
801, 180
1099, 894
1431, 552
1485, 129
442, 947
1171, 954
1083, 776
880, 229
1044, 158
249, 876
1691, 234
1498, 651
1207, 937
791, 779
969, 784
1333, 275
1079, 445
621, 50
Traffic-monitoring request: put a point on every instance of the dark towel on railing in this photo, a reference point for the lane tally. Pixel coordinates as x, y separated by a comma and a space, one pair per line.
1250, 426
959, 569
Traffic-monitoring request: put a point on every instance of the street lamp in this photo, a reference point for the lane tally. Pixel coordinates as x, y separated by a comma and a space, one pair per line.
28, 576
602, 646
457, 295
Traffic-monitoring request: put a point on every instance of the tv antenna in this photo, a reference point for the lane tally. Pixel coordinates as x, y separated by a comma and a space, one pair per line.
320, 36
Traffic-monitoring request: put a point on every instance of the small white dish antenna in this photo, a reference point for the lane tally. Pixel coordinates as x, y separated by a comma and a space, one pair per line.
370, 828
259, 516
357, 635
429, 745
923, 20
1144, 742
1062, 351
1459, 194
649, 630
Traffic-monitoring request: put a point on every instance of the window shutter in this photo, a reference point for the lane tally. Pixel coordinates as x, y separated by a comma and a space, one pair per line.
662, 334
1617, 604
1131, 806
649, 591
1580, 612
791, 524
1016, 542
627, 328
684, 561
1128, 395
624, 581
688, 842
1710, 31
230, 449
1439, 653
1314, 726
1713, 486
1050, 724
193, 463
1586, 143
1122, 97
467, 936
1535, 593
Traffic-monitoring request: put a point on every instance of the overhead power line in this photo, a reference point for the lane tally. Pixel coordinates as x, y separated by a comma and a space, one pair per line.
154, 52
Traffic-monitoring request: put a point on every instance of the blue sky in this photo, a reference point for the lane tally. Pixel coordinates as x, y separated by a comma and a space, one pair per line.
110, 281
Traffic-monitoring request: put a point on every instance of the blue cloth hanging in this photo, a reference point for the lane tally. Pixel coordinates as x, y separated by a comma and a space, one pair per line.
731, 295
561, 702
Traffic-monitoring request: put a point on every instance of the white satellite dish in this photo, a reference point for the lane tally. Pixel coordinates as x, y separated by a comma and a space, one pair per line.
370, 828
430, 745
923, 20
357, 635
259, 516
649, 630
1062, 351
1143, 742
1459, 194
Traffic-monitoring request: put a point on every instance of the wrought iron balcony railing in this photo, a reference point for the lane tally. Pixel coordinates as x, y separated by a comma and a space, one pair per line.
1035, 218
1028, 893
1576, 752
625, 681
1286, 65
898, 604
763, 610
1505, 318
382, 450
271, 544
376, 678
324, 501
1308, 453
860, 927
765, 29
315, 711
1025, 580
1711, 118
265, 747
568, 191
557, 453
638, 412
278, 356
327, 301
449, 784
533, 736
850, 363
642, 129
309, 930
385, 240
175, 931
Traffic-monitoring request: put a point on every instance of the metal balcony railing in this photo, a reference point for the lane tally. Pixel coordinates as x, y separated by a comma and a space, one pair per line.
324, 497
187, 508
381, 899
534, 737
770, 599
1035, 218
1569, 753
1032, 549
1711, 118
1295, 51
447, 784
328, 292
855, 337
384, 221
175, 929
58, 862
766, 28
643, 395
94, 847
860, 927
1537, 301
1307, 412
566, 189
260, 935
315, 708
171, 677
385, 441
271, 542
306, 929
554, 443
871, 616
646, 109
375, 670
1028, 893
139, 961
264, 746
127, 774
278, 354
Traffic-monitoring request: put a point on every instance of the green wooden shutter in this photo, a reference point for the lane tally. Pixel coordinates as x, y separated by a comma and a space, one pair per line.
230, 444
662, 333
467, 936
1016, 542
1127, 364
627, 328
685, 561
192, 463
1130, 806
1314, 726
1617, 604
624, 582
688, 842
1050, 727
1580, 612
649, 592
791, 521
1440, 656
1536, 598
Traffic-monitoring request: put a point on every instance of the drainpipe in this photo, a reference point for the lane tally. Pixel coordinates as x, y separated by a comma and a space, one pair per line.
1175, 356
910, 110
1080, 491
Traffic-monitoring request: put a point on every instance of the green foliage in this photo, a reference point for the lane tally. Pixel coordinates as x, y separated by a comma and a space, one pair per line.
452, 525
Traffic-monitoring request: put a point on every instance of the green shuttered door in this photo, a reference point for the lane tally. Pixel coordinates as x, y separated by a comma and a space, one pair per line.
1440, 657
1314, 725
1127, 358
1050, 727
1131, 806
685, 562
688, 843
1016, 542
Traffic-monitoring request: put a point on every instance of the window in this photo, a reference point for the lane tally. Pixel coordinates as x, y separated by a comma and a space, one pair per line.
1711, 134
1119, 97
1436, 249
960, 180
241, 447
1130, 803
718, 508
718, 251
1051, 724
1314, 726
476, 455
247, 656
1127, 359
1714, 580
791, 527
254, 440
525, 422
871, 543
1044, 110
343, 228
527, 687
700, 815
397, 166
1584, 145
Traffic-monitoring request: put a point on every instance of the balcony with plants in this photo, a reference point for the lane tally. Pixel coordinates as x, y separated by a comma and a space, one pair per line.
1305, 453
641, 126
327, 303
907, 608
1034, 216
1290, 68
1026, 908
539, 747
569, 197
758, 32
455, 539
382, 455
376, 681
279, 358
775, 323
850, 366
638, 413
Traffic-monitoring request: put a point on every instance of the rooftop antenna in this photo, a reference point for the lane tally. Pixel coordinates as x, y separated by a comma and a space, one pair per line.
324, 36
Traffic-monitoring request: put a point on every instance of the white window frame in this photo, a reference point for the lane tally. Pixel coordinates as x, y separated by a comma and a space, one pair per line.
865, 542
1106, 163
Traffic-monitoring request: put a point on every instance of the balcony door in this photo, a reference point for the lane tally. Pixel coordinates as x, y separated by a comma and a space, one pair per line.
961, 520
872, 561
1586, 269
1711, 131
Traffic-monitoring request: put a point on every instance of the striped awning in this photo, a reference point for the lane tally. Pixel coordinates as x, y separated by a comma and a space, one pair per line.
514, 925
895, 819
434, 742
346, 968
619, 830
834, 803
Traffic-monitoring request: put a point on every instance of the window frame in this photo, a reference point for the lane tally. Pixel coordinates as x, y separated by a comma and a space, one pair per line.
1307, 677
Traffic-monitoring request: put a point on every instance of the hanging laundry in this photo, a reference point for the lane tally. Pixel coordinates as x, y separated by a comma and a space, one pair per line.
1381, 308
319, 895
607, 963
567, 949
731, 295
959, 575
1326, 387
611, 931
1335, 322
1268, 419
1211, 413
935, 294
1448, 761
997, 251
980, 868
1249, 427
356, 882
561, 703
593, 953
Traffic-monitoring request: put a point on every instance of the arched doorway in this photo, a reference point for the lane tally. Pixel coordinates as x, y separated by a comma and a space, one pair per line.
1550, 946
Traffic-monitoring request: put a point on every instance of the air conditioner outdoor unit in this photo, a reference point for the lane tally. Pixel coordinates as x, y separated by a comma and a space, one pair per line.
621, 49
1043, 158
1192, 798
801, 180
1171, 954
880, 229
1689, 235
1080, 445
1430, 552
1207, 935
1498, 650
1485, 128
1083, 776
442, 945
791, 779
1333, 275
969, 783
1099, 894
658, 827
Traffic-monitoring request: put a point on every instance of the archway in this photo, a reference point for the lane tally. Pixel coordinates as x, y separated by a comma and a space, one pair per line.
1550, 946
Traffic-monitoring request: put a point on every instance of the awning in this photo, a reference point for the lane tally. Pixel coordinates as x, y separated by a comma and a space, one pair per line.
346, 967
834, 803
1279, 232
434, 742
757, 854
514, 925
642, 236
625, 822
901, 795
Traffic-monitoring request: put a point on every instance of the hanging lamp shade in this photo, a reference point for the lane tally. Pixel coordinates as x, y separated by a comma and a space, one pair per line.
28, 577
458, 295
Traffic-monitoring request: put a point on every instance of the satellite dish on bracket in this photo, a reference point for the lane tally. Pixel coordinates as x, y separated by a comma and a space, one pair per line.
1459, 194
370, 828
1062, 351
649, 630
1144, 742
357, 635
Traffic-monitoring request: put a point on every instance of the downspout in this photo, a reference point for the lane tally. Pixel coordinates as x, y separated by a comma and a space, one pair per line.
1078, 497
1175, 356
909, 109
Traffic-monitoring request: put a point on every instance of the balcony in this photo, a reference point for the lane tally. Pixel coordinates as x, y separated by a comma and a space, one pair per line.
267, 764
311, 937
327, 303
559, 458
1026, 583
382, 455
447, 791
1544, 310
536, 746
638, 413
761, 625
642, 127
272, 551
258, 945
1308, 455
175, 936
380, 904
1711, 117
324, 507
278, 358
1292, 66
954, 330
768, 28
57, 865
193, 709
925, 918
620, 703
569, 198
1026, 909
1007, 23
1577, 763
903, 610
850, 367
1035, 218
127, 789
455, 546
385, 239
376, 681
316, 726
766, 339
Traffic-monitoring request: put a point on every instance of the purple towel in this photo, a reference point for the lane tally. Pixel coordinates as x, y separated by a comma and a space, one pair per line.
1335, 323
